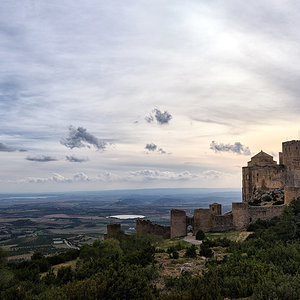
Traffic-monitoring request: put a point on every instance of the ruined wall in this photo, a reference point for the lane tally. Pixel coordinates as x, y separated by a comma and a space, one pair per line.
244, 214
215, 209
147, 227
264, 212
240, 215
178, 223
291, 193
262, 178
202, 220
111, 229
222, 223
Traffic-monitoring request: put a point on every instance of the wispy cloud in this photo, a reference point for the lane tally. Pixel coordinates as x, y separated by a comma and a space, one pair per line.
5, 148
79, 138
237, 148
41, 158
149, 174
161, 151
72, 158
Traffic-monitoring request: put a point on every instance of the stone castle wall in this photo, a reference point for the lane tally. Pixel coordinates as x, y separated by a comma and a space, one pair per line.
291, 193
222, 222
202, 220
147, 227
264, 212
262, 173
262, 178
178, 223
111, 230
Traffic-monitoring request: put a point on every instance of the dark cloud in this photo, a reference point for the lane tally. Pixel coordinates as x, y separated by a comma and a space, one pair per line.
72, 158
162, 117
41, 158
5, 148
79, 138
235, 148
151, 147
159, 116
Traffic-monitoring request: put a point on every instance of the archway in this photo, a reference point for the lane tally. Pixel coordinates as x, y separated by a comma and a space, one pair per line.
190, 230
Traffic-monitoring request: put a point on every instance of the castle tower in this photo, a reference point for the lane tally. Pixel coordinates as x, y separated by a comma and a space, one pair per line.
178, 223
291, 160
215, 209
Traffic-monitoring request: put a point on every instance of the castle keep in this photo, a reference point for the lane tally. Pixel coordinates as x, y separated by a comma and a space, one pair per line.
267, 188
264, 174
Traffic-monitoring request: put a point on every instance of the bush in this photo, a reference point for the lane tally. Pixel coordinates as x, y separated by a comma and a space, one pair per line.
175, 255
206, 251
200, 235
191, 252
278, 202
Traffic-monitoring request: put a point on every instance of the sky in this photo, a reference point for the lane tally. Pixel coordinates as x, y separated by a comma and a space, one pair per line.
98, 95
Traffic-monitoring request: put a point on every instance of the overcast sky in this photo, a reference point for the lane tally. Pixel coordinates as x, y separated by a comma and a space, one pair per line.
137, 94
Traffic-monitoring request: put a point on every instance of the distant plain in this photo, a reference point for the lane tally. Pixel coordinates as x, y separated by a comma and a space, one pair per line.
31, 222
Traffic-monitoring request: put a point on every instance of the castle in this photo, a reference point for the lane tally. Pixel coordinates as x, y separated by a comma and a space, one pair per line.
267, 188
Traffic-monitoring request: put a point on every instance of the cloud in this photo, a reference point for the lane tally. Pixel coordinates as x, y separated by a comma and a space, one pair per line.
161, 117
213, 174
151, 147
41, 158
78, 177
79, 138
5, 148
72, 158
161, 151
149, 118
161, 175
237, 148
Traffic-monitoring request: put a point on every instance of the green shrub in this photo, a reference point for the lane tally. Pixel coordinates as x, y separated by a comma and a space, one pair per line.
200, 235
191, 252
205, 250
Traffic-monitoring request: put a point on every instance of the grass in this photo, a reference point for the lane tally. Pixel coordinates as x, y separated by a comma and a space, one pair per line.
231, 235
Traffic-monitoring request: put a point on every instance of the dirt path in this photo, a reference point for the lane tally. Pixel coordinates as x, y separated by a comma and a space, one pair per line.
192, 239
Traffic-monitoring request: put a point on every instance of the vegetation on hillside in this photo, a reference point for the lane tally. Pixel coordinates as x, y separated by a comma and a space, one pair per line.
264, 266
